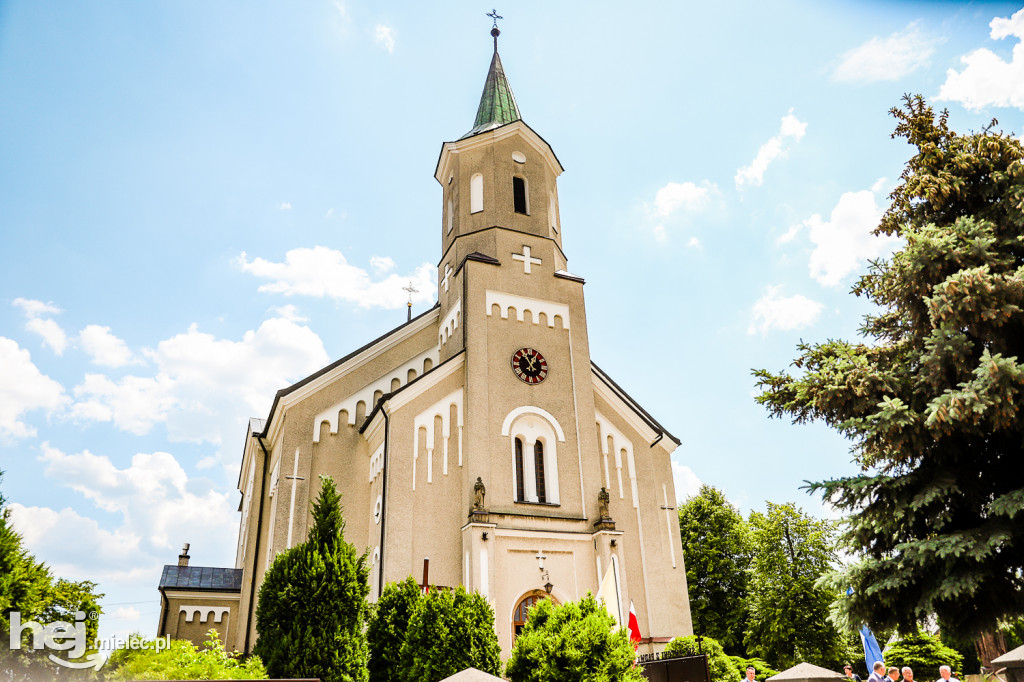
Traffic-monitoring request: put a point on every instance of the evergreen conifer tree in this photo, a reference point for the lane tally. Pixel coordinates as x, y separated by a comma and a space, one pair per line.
932, 398
387, 628
312, 607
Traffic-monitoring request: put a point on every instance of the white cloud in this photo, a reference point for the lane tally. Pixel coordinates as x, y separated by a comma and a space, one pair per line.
987, 80
694, 243
51, 332
157, 508
284, 207
33, 308
774, 311
790, 234
205, 387
23, 389
288, 312
886, 59
844, 242
675, 196
106, 349
385, 36
53, 335
321, 272
381, 264
687, 483
789, 128
126, 613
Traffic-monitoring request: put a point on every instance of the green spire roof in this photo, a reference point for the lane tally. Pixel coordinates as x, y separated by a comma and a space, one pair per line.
497, 103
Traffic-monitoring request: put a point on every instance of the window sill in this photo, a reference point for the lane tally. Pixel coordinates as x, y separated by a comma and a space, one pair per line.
538, 504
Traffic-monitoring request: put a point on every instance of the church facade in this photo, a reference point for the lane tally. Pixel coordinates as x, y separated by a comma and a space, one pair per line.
478, 444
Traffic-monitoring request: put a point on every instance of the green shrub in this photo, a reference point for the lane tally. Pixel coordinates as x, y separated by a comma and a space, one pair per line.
182, 661
572, 642
762, 671
720, 666
923, 653
387, 628
449, 631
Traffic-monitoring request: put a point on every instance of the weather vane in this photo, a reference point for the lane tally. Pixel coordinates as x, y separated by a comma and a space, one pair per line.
412, 290
493, 14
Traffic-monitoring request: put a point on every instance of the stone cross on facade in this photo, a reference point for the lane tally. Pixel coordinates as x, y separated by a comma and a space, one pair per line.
447, 274
526, 258
540, 559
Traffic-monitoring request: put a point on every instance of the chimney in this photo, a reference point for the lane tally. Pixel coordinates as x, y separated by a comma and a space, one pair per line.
183, 557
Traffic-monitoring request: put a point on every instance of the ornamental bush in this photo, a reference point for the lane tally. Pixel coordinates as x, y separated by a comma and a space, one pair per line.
449, 631
923, 653
572, 642
721, 667
182, 661
387, 629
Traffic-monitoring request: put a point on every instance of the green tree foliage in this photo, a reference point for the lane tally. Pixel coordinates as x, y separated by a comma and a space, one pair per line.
387, 628
762, 671
932, 398
924, 653
572, 642
716, 543
449, 631
788, 620
181, 661
312, 607
720, 666
28, 587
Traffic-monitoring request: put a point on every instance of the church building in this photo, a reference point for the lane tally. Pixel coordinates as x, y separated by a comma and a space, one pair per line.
478, 444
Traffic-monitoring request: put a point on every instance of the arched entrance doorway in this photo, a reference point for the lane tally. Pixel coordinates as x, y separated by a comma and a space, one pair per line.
522, 610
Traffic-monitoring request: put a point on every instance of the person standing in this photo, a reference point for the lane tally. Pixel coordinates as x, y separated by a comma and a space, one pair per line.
946, 674
750, 674
850, 675
894, 674
877, 672
908, 674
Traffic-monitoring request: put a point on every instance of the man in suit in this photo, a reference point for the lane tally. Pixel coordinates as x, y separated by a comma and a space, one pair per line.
946, 675
877, 672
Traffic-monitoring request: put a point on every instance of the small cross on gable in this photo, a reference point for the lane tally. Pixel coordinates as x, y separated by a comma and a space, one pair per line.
447, 275
526, 258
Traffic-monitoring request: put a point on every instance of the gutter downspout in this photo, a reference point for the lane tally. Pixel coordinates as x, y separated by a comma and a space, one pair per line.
256, 545
384, 498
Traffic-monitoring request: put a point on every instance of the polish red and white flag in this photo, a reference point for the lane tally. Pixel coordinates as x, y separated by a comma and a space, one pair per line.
634, 625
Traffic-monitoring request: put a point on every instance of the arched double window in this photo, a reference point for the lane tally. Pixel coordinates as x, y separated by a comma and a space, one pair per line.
522, 610
533, 434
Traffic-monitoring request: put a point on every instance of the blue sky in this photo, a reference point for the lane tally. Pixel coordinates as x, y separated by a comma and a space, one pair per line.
201, 203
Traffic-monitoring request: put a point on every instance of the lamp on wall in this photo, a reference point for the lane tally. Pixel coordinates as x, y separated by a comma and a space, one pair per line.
548, 587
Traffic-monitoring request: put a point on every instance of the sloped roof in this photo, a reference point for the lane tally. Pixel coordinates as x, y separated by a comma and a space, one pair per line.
472, 675
206, 578
1011, 659
806, 672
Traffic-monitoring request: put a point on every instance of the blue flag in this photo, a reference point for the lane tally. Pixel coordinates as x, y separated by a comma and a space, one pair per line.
872, 652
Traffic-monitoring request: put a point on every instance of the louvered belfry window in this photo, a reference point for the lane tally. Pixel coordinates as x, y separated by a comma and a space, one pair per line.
538, 463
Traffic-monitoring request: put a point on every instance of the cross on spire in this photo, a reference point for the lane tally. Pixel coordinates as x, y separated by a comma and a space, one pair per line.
493, 14
412, 290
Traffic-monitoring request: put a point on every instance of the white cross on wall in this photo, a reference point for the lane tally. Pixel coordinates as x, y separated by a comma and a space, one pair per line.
526, 258
447, 273
540, 559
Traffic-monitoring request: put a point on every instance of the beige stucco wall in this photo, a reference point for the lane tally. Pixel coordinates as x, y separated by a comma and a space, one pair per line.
181, 620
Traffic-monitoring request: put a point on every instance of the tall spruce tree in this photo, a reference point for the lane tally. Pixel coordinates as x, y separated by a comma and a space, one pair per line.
931, 399
312, 607
716, 543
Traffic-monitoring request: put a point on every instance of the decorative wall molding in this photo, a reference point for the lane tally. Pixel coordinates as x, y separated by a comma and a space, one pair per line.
619, 445
530, 409
376, 463
204, 612
450, 323
365, 394
425, 420
537, 307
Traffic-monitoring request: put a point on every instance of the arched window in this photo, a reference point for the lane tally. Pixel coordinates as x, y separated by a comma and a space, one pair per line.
520, 472
538, 470
533, 435
451, 215
519, 196
522, 610
476, 193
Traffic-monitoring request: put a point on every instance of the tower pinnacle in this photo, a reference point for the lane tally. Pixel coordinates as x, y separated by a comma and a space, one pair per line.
497, 103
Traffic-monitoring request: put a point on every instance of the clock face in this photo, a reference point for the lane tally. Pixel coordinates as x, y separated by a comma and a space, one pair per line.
529, 365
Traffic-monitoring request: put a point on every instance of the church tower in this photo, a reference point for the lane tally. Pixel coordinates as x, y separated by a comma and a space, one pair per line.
478, 444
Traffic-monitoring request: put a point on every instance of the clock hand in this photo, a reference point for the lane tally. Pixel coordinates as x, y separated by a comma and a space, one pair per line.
530, 362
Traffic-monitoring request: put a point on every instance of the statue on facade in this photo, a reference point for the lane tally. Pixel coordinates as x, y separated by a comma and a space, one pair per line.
479, 492
603, 499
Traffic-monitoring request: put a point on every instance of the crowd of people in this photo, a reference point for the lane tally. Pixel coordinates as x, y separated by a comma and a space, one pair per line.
879, 674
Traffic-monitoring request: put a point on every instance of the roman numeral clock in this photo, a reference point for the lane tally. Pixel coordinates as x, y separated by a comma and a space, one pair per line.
529, 365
